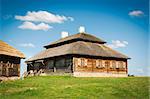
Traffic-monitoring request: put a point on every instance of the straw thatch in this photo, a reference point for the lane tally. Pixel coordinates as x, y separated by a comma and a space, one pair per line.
8, 50
79, 36
79, 48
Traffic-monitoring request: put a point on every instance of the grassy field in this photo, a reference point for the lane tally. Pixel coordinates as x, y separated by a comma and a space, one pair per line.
66, 87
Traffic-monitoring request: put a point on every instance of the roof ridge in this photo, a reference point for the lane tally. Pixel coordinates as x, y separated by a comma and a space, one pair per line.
76, 37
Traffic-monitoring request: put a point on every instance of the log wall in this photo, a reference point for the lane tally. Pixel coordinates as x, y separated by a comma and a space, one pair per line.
9, 69
9, 66
99, 65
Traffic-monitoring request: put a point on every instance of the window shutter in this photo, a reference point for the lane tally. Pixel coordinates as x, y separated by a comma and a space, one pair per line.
103, 63
79, 62
117, 64
85, 61
97, 63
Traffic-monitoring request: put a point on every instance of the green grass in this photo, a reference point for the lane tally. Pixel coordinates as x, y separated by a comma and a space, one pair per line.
66, 87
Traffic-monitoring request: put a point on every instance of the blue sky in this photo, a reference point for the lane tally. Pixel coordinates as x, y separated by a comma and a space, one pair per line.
25, 25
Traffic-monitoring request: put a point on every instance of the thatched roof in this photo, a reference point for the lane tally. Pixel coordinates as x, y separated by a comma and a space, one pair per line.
6, 49
79, 48
77, 37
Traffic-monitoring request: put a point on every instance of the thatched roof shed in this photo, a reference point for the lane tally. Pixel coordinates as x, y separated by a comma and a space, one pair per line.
78, 44
8, 50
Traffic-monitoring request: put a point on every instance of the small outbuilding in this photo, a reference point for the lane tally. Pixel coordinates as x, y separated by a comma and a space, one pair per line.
9, 60
83, 55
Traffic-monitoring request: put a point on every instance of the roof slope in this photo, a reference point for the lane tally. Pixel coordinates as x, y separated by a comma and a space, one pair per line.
79, 48
6, 49
77, 37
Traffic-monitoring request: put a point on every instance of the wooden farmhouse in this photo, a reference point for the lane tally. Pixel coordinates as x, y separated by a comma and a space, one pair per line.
82, 55
9, 60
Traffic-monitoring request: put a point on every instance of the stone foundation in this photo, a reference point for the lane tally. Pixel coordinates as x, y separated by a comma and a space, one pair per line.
9, 78
97, 74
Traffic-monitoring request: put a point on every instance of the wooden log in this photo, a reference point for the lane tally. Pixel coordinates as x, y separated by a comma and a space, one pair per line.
110, 66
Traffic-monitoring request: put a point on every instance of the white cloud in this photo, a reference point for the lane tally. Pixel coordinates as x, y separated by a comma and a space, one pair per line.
71, 18
118, 44
136, 13
10, 40
32, 26
43, 16
27, 45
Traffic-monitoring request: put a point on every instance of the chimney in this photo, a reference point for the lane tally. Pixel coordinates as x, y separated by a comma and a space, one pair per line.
64, 34
81, 29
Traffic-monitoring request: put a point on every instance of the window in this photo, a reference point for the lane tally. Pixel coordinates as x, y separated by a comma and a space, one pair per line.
98, 64
120, 64
107, 64
82, 62
85, 62
124, 65
103, 64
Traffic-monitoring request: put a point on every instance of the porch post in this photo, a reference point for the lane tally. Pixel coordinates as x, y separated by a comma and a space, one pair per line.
54, 69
